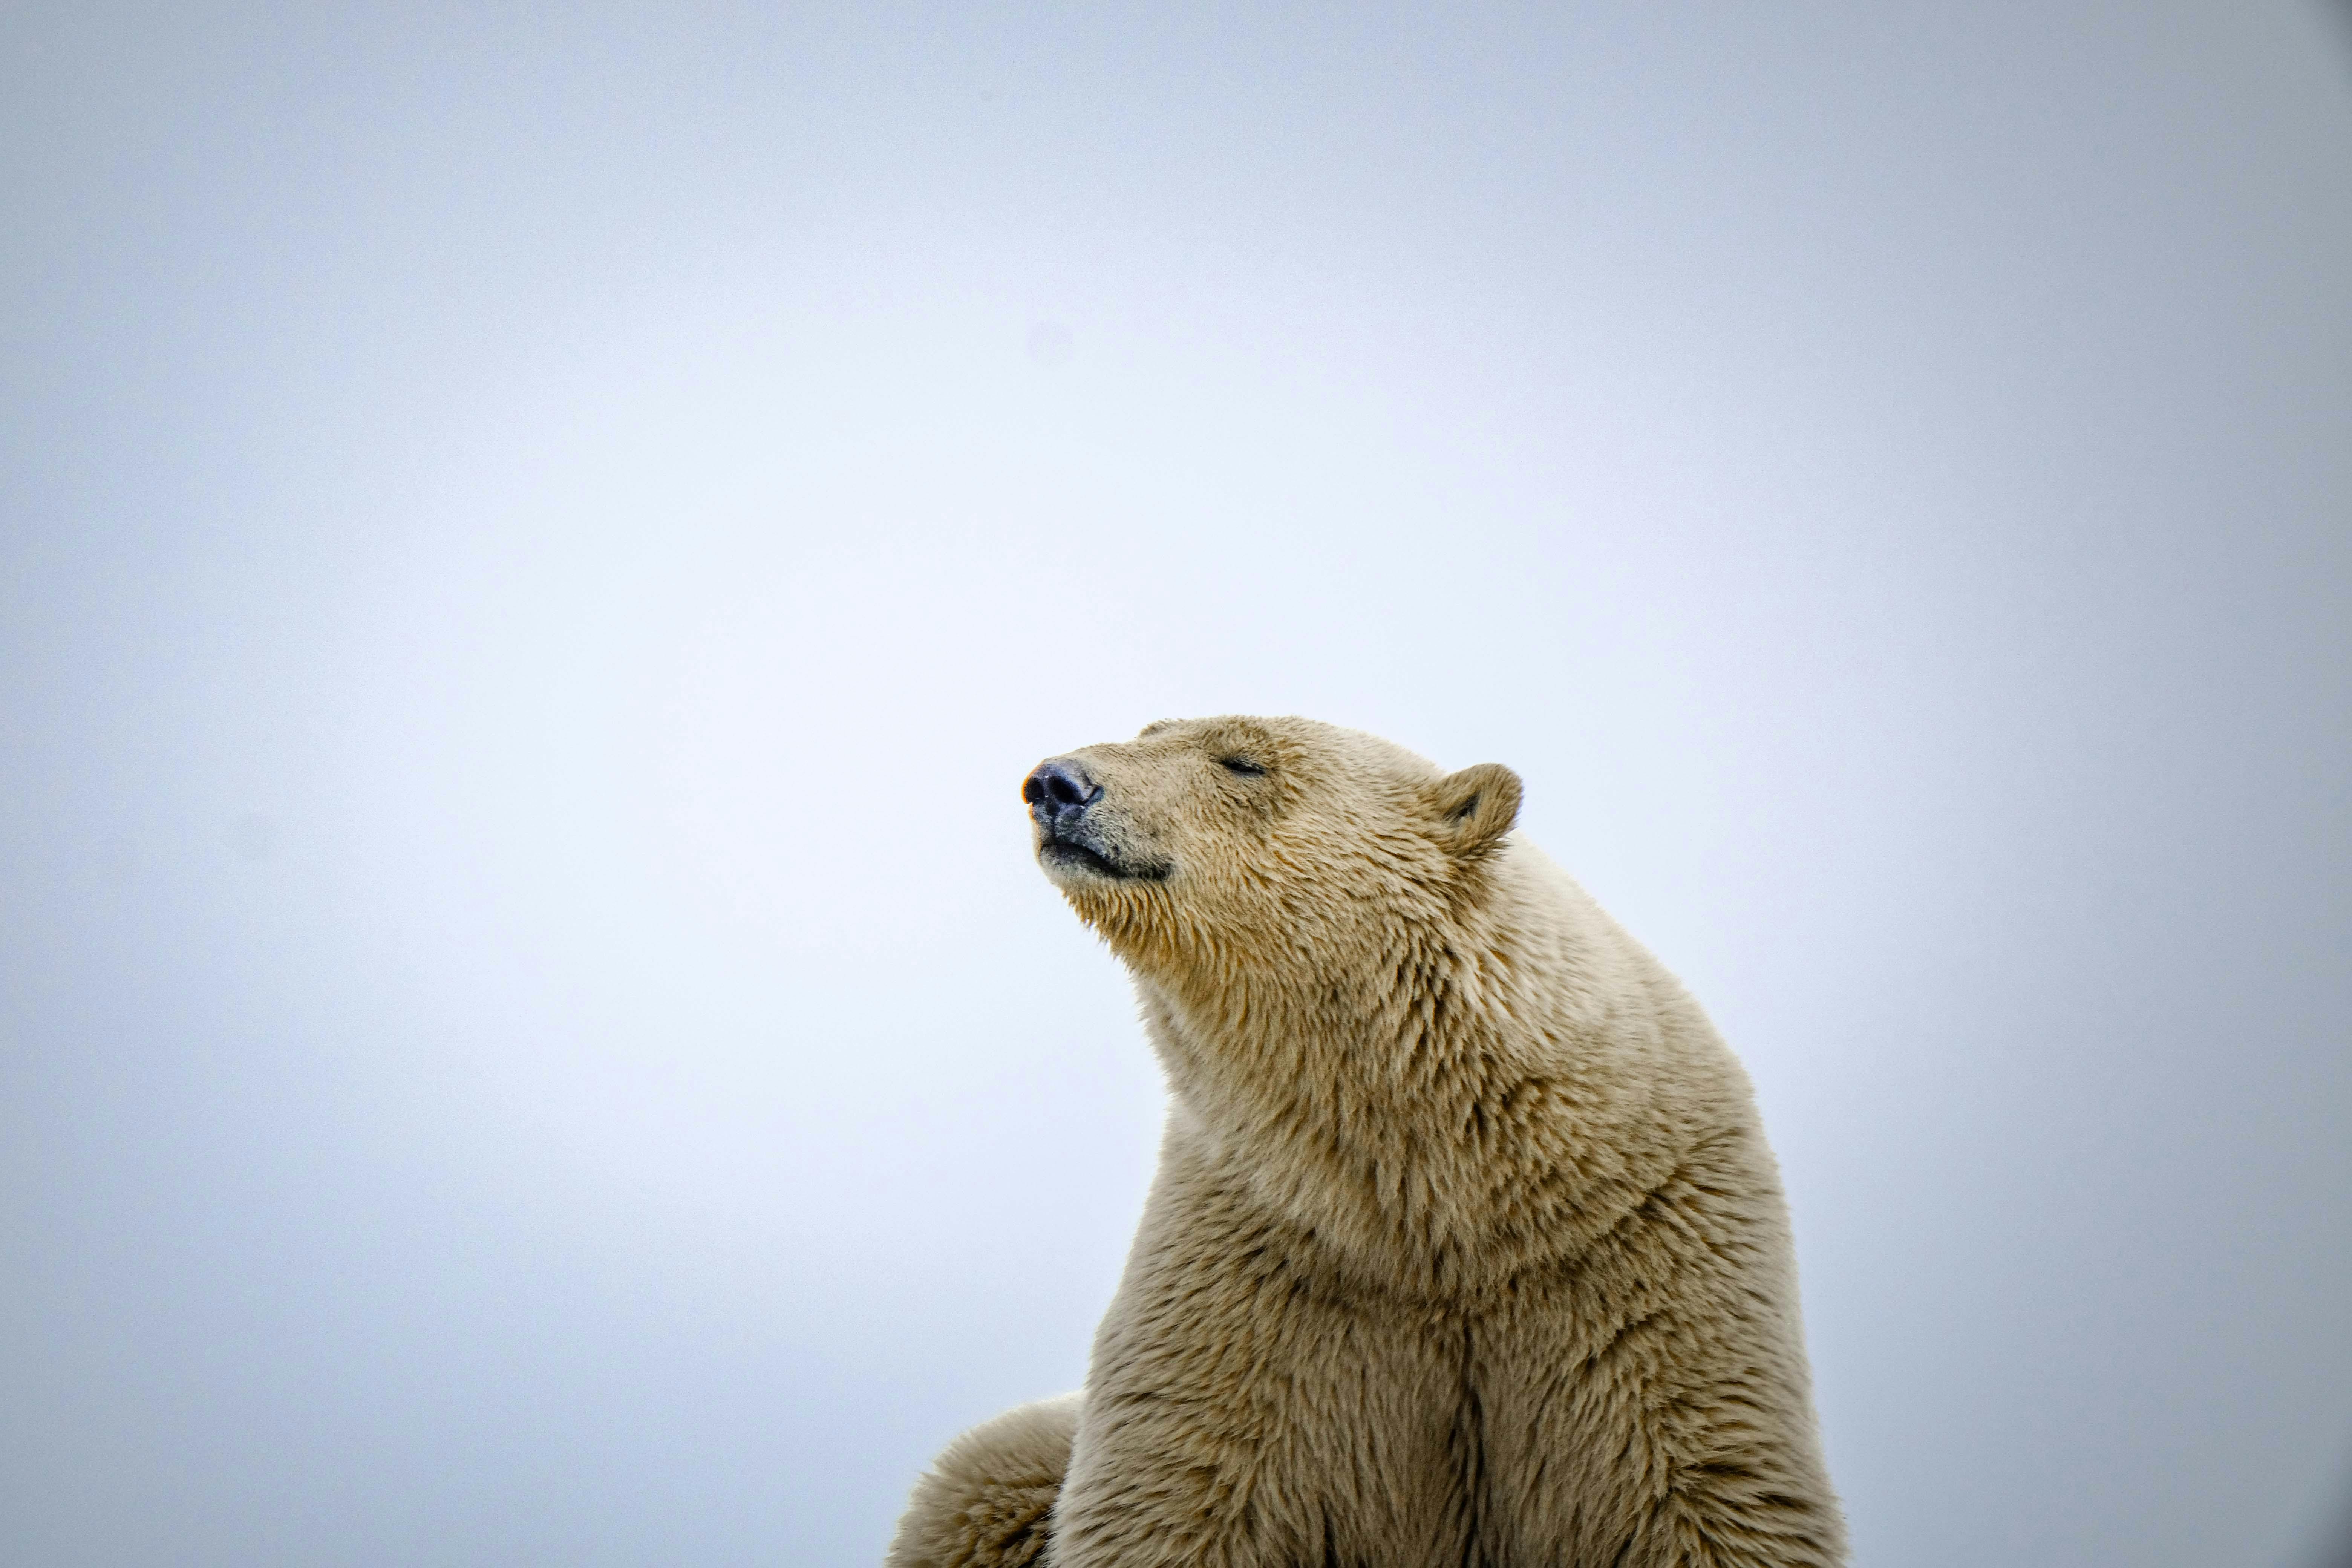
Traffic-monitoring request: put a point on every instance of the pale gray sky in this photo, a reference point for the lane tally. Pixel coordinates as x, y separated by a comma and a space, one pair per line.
537, 544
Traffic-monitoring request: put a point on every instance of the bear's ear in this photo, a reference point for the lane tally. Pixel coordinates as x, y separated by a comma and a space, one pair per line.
1474, 806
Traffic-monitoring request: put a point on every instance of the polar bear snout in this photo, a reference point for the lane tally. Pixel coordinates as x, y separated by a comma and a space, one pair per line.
1057, 789
1079, 833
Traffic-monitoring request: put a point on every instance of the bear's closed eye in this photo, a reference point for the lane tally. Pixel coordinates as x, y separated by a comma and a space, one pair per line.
1243, 766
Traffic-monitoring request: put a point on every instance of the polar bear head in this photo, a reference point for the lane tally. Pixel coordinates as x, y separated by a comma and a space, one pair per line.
1220, 848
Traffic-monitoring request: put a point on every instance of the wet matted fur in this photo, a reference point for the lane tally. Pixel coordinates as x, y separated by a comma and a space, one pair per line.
1465, 1246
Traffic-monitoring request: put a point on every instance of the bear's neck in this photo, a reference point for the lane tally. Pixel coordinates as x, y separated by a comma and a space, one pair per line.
1455, 1104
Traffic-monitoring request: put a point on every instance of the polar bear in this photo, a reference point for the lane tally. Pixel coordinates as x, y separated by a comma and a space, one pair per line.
1465, 1246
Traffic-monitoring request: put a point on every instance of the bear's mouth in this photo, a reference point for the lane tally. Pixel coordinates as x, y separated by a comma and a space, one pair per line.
1070, 852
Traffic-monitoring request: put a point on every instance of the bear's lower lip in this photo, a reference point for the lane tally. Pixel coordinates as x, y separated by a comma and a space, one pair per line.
1065, 852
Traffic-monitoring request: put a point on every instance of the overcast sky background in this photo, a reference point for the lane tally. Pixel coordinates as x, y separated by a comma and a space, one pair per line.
536, 545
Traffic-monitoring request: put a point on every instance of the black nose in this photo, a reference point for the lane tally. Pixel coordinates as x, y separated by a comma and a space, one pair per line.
1059, 789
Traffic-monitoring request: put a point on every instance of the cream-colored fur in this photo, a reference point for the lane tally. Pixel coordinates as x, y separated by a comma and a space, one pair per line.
1465, 1246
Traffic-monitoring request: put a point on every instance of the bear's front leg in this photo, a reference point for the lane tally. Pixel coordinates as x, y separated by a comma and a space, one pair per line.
1245, 1409
987, 1501
1647, 1405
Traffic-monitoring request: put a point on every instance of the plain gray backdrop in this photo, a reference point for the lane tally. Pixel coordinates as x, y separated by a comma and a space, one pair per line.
537, 544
